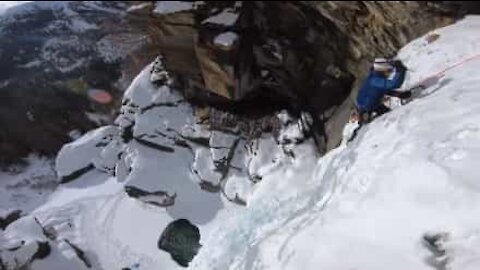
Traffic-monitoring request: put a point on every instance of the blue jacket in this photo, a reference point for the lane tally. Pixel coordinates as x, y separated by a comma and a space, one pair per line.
375, 86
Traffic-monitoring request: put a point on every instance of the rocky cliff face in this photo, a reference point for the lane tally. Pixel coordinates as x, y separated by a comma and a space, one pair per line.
253, 58
238, 62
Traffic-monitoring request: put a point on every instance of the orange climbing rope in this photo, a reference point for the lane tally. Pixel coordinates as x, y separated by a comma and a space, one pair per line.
354, 115
443, 71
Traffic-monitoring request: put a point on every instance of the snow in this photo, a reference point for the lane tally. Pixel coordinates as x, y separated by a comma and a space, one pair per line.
31, 64
21, 240
28, 7
98, 118
24, 228
74, 20
68, 52
365, 205
95, 213
227, 17
79, 25
82, 152
138, 7
205, 167
167, 7
5, 5
51, 51
226, 39
26, 187
408, 173
114, 47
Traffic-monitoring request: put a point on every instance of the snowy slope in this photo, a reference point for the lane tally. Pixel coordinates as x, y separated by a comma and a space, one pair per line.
5, 5
122, 185
270, 203
26, 187
368, 205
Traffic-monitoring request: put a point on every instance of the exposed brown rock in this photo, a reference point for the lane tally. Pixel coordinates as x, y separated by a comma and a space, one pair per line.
300, 56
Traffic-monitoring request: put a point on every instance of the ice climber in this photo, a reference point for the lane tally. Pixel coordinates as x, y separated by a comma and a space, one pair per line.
384, 78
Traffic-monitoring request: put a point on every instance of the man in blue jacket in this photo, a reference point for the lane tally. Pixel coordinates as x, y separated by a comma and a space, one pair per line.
384, 77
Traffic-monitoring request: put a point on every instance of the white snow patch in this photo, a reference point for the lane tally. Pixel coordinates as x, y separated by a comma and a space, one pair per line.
75, 134
227, 17
167, 7
54, 51
31, 64
80, 153
98, 118
5, 5
138, 7
226, 39
109, 50
25, 188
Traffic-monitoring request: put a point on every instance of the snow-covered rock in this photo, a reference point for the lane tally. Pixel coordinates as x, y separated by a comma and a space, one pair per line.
226, 39
226, 17
402, 195
5, 5
26, 244
154, 167
26, 186
167, 7
376, 202
85, 152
